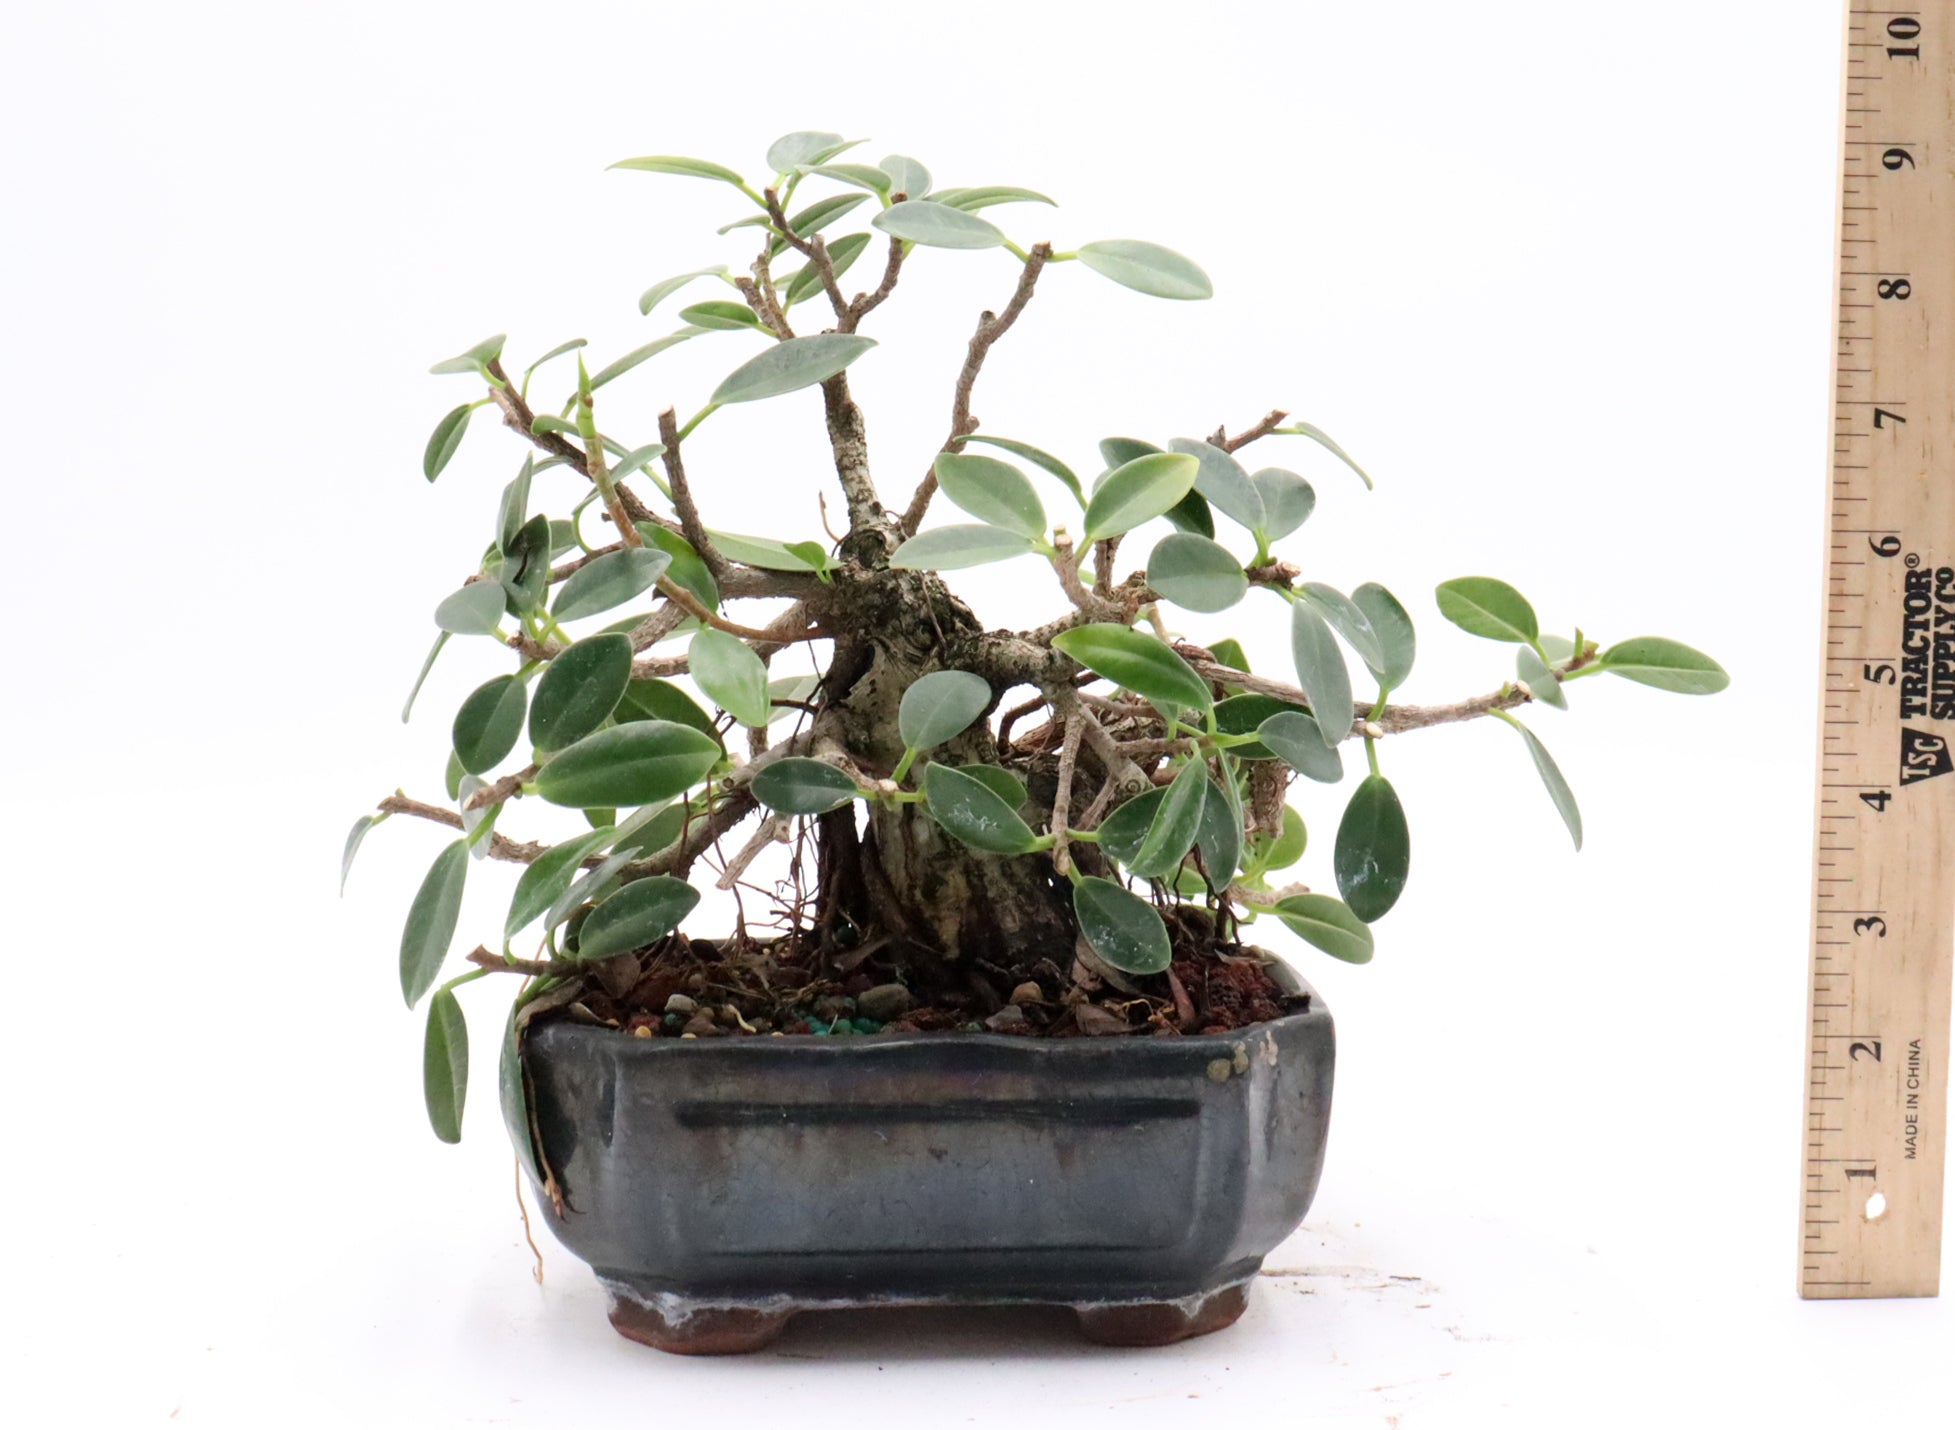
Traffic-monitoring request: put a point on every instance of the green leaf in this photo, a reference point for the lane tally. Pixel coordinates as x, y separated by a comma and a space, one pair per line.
1666, 664
1287, 501
431, 921
1138, 491
475, 610
1038, 458
1288, 846
1220, 839
1171, 833
637, 355
641, 762
690, 168
984, 196
936, 226
652, 829
790, 366
1299, 743
802, 786
545, 880
1229, 652
1393, 629
1321, 672
1550, 772
1374, 850
790, 692
642, 911
1140, 662
1557, 647
545, 423
992, 491
510, 1093
687, 569
662, 700
443, 441
1482, 606
556, 352
444, 1066
355, 837
1191, 515
514, 511
1000, 781
1243, 714
861, 176
1195, 573
804, 146
422, 679
489, 723
815, 217
1123, 831
466, 788
525, 570
1146, 268
1539, 680
940, 706
579, 690
1118, 451
1322, 439
608, 581
972, 811
717, 314
906, 176
666, 287
1121, 928
812, 552
476, 359
1223, 482
453, 776
1321, 920
953, 548
1346, 619
805, 281
732, 676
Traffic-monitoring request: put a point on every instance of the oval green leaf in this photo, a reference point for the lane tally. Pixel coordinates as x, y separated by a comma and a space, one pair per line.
545, 880
797, 785
1482, 606
790, 366
939, 706
1172, 831
1140, 662
1346, 619
687, 569
720, 315
938, 226
1195, 573
732, 676
1287, 501
607, 581
1393, 628
443, 441
1146, 268
431, 919
444, 1066
1039, 458
666, 287
1322, 439
476, 359
1220, 837
1121, 928
992, 491
805, 281
642, 911
1000, 781
489, 723
1243, 714
1551, 777
1320, 920
1299, 743
954, 548
973, 813
662, 700
675, 164
861, 176
1224, 483
579, 690
641, 762
1539, 680
1138, 491
1374, 850
1321, 671
804, 146
1122, 831
475, 610
355, 837
906, 176
985, 195
762, 551
1666, 664
637, 355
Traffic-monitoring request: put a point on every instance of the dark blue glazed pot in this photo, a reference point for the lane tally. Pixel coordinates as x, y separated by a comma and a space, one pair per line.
719, 1186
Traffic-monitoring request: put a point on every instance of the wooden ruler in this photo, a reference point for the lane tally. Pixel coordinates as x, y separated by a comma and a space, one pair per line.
1883, 938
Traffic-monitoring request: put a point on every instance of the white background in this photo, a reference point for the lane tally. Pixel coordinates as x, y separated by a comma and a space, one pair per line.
1557, 274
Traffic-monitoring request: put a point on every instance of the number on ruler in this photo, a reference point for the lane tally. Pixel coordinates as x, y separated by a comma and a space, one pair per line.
1904, 27
1877, 926
1881, 413
1888, 545
1877, 800
1897, 158
1872, 1049
1896, 288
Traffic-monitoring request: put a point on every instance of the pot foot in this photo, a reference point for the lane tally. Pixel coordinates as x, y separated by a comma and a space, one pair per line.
691, 1328
1160, 1323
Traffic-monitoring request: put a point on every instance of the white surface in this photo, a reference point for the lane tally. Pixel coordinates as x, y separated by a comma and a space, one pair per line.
1576, 327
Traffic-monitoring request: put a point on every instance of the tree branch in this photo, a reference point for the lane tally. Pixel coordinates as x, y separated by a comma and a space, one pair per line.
817, 253
864, 304
516, 413
690, 526
500, 847
1395, 719
1261, 429
990, 328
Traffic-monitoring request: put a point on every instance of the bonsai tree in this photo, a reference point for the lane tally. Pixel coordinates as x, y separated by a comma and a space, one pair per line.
1063, 830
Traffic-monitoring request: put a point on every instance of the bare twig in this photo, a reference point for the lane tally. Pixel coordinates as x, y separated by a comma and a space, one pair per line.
990, 328
1062, 800
499, 846
516, 413
816, 251
693, 529
1262, 429
864, 304
528, 967
505, 788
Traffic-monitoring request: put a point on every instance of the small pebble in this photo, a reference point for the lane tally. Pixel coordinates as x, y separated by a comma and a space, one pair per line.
1220, 1070
885, 1002
1027, 992
682, 1005
703, 1026
1007, 1019
643, 1030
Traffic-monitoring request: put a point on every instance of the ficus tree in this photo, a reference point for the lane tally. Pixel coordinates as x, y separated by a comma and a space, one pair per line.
1094, 790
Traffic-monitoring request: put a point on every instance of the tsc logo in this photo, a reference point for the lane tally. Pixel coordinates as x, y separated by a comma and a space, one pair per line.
1923, 756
